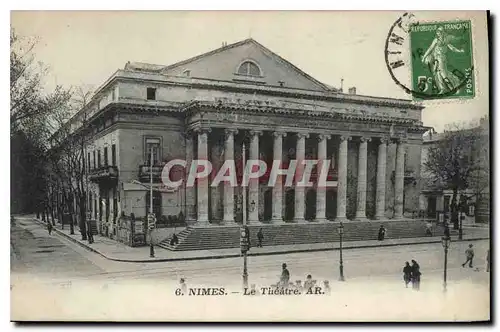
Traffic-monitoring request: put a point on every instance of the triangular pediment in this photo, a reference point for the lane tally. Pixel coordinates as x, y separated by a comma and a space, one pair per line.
246, 61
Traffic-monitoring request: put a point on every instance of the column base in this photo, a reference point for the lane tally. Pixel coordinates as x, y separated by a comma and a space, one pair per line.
380, 217
228, 222
361, 218
320, 220
341, 219
300, 220
254, 222
277, 221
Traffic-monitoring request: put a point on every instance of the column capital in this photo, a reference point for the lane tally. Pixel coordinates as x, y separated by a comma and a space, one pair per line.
279, 133
202, 130
302, 135
402, 140
230, 132
324, 137
363, 139
384, 140
345, 138
255, 132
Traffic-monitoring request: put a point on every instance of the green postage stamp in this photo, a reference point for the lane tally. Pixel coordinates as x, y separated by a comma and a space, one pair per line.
442, 61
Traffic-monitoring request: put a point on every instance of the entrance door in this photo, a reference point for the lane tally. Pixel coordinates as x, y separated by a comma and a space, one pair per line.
268, 205
289, 205
311, 204
431, 207
331, 204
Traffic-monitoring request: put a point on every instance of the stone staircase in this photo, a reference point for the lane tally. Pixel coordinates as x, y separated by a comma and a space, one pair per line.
225, 237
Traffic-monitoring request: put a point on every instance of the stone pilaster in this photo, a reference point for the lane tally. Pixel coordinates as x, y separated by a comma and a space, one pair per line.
399, 179
202, 184
300, 190
381, 171
342, 179
228, 189
190, 210
253, 184
320, 188
361, 192
278, 187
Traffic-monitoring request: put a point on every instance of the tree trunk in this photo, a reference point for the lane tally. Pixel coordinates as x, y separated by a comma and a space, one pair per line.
454, 209
83, 218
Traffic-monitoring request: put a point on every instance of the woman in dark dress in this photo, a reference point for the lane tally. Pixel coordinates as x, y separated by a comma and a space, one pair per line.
415, 274
381, 233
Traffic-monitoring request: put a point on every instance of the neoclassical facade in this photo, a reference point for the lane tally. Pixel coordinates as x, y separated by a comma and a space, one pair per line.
243, 94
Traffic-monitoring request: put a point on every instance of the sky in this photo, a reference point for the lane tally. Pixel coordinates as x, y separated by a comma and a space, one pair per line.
84, 48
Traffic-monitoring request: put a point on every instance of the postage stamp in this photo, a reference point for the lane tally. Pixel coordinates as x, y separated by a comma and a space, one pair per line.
442, 59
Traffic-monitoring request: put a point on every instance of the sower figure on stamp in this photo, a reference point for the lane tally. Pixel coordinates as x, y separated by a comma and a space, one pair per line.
437, 60
469, 255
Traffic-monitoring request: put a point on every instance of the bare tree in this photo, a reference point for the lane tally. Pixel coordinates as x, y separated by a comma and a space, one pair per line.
454, 163
28, 100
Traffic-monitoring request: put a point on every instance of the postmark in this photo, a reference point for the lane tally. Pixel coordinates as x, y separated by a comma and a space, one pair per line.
431, 60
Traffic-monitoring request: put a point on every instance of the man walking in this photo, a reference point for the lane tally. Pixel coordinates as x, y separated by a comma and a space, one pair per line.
49, 227
469, 254
260, 237
285, 276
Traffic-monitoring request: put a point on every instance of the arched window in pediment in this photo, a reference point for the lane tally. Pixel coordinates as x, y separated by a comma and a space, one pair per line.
249, 68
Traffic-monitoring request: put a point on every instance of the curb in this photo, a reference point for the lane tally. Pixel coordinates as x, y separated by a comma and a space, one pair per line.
292, 251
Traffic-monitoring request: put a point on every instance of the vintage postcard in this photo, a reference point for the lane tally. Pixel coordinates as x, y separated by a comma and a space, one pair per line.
250, 166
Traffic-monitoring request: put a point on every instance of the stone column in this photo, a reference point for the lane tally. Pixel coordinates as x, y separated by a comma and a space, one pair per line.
202, 184
342, 179
381, 170
399, 180
253, 184
278, 187
228, 189
320, 188
300, 190
361, 192
190, 209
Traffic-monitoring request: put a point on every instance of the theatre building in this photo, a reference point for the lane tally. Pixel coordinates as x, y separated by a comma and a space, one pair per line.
208, 107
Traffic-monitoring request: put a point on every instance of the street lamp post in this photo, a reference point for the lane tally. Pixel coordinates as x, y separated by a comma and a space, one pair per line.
151, 247
445, 240
341, 233
244, 199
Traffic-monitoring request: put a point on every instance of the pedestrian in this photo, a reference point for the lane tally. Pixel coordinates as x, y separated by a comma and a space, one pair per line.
309, 283
407, 273
285, 276
415, 275
488, 261
174, 240
428, 229
49, 227
298, 285
469, 255
381, 233
327, 287
183, 285
260, 237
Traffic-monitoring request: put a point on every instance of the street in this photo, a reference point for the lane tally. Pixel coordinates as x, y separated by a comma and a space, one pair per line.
44, 262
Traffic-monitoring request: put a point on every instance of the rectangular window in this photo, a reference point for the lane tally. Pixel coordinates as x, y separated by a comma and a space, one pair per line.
115, 205
113, 154
151, 93
98, 158
152, 148
105, 156
88, 160
93, 152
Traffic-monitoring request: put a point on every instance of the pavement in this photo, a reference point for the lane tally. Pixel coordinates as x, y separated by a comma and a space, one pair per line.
116, 251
